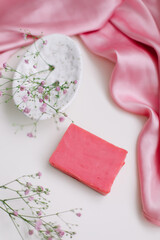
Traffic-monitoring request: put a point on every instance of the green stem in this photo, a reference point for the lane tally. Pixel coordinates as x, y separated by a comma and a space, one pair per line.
48, 75
15, 180
52, 228
6, 83
56, 110
6, 89
4, 210
40, 54
11, 79
14, 223
19, 216
38, 72
16, 227
5, 94
25, 202
50, 215
19, 197
22, 125
5, 204
14, 70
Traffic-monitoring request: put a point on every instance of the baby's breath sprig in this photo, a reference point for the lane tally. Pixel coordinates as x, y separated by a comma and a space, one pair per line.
33, 89
33, 212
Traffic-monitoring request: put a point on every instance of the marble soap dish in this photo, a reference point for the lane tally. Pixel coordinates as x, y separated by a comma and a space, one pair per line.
47, 76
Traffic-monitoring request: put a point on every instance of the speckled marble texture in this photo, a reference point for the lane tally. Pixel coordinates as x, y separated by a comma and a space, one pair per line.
59, 51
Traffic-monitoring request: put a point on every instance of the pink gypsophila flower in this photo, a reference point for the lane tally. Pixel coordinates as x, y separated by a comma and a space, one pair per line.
26, 61
48, 232
46, 97
42, 83
58, 89
39, 174
40, 89
31, 198
1, 93
78, 214
5, 65
60, 231
29, 135
38, 224
39, 213
26, 110
22, 88
28, 184
15, 213
25, 98
26, 192
61, 119
40, 188
43, 107
30, 232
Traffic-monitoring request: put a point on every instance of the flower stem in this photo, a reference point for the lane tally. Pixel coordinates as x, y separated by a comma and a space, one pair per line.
16, 198
16, 227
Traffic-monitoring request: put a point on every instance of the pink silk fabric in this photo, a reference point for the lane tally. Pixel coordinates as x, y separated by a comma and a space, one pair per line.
127, 33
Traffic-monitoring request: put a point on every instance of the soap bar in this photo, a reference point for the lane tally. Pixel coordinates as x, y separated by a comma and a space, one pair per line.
88, 158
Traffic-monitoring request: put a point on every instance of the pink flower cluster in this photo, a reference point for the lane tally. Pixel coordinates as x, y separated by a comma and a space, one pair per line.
30, 232
39, 89
27, 110
15, 213
25, 98
60, 231
28, 192
5, 65
39, 174
38, 224
26, 61
30, 135
61, 119
43, 107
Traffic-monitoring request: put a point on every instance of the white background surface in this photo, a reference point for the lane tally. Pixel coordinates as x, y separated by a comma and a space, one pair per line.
115, 216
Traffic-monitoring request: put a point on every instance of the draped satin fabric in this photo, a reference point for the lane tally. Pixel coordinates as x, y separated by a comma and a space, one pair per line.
125, 31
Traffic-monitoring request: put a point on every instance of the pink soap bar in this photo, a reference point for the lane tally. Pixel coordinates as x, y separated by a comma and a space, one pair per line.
88, 158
